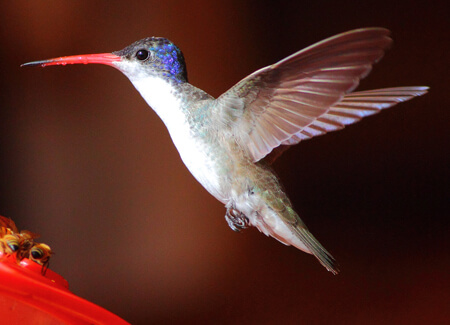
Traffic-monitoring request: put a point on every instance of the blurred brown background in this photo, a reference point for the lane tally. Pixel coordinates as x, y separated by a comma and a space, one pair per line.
89, 166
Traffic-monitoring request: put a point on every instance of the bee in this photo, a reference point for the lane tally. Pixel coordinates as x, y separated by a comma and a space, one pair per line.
10, 243
10, 239
22, 244
40, 253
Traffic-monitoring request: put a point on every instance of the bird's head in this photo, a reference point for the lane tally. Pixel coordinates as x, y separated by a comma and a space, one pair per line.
148, 57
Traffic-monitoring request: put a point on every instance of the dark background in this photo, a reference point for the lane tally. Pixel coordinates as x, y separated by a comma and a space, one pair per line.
88, 165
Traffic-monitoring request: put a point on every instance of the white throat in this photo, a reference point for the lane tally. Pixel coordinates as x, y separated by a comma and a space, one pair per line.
159, 95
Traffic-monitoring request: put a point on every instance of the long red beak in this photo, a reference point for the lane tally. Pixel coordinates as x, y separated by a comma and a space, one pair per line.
102, 58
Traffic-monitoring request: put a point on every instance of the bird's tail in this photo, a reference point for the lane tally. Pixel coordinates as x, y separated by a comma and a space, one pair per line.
315, 248
286, 226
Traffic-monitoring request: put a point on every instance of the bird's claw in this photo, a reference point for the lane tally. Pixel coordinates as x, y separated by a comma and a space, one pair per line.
236, 220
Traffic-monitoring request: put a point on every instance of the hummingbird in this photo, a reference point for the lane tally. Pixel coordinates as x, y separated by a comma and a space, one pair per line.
229, 143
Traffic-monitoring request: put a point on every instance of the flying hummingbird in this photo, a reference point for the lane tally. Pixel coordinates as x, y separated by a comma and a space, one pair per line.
229, 142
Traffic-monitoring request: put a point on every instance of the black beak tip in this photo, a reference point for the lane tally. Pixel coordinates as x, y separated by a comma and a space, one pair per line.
32, 64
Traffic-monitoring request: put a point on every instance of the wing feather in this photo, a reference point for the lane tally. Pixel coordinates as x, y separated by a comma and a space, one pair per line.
308, 93
353, 107
278, 103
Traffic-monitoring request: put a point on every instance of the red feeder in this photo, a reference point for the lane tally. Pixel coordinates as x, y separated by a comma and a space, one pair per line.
28, 297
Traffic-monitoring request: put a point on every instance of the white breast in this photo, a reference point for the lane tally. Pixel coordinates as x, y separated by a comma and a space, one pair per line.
159, 95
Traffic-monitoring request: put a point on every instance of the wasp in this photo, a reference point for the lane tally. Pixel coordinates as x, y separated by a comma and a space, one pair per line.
22, 244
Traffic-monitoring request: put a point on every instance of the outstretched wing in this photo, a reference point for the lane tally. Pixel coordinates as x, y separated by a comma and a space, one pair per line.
302, 95
351, 109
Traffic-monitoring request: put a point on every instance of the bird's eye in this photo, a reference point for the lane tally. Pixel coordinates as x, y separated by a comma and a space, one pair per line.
142, 55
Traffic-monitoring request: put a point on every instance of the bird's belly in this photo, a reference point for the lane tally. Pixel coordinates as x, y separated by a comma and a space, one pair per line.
203, 163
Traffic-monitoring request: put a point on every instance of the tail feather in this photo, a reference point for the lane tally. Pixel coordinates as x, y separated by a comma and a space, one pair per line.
324, 257
286, 226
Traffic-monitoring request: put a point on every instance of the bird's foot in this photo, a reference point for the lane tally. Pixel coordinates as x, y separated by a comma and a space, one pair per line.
236, 219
